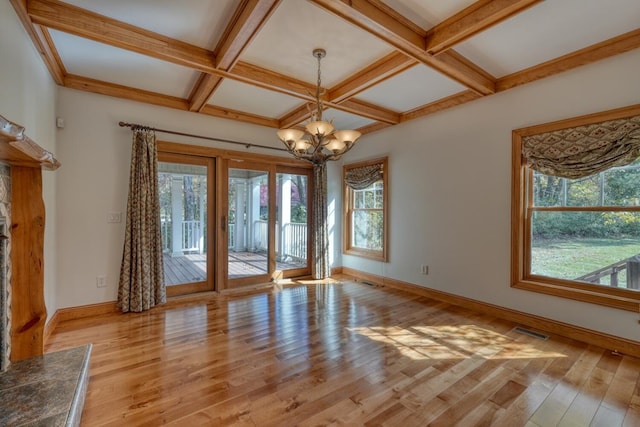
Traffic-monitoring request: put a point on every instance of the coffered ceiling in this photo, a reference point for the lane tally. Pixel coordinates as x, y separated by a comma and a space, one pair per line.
388, 61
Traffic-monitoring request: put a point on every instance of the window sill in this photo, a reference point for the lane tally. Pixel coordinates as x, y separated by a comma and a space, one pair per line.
363, 253
607, 297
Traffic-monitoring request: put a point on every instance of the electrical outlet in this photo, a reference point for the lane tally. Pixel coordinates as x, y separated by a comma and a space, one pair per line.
101, 281
424, 269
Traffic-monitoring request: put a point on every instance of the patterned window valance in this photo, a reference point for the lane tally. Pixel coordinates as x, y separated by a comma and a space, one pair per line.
584, 150
362, 177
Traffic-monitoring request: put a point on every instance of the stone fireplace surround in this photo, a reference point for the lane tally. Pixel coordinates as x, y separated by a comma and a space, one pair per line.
36, 388
5, 266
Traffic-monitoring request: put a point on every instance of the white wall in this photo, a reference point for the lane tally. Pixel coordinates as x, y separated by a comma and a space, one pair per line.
27, 97
95, 153
450, 188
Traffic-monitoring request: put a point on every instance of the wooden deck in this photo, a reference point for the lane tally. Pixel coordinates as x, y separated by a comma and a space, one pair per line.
346, 355
193, 268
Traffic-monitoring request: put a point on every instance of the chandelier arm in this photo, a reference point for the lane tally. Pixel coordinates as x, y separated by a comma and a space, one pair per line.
319, 143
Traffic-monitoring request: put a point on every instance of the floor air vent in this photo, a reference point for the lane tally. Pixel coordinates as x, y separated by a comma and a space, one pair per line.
531, 333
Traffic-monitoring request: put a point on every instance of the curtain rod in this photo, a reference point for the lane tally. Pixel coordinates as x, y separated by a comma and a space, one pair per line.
210, 138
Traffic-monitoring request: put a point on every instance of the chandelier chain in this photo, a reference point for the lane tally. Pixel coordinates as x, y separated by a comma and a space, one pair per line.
319, 55
319, 77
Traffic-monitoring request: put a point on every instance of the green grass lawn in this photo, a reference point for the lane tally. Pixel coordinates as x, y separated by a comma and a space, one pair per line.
568, 259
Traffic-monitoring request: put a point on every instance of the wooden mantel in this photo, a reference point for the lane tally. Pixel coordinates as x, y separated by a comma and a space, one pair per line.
28, 310
17, 149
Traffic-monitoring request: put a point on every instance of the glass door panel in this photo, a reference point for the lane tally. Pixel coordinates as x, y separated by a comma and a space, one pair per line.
292, 234
248, 225
183, 218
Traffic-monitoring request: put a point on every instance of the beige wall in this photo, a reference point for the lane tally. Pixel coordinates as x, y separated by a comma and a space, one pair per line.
28, 97
450, 190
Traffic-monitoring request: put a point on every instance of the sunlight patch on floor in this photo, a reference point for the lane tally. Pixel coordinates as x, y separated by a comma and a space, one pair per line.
453, 342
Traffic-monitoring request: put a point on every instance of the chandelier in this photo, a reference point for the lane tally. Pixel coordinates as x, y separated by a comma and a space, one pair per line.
320, 142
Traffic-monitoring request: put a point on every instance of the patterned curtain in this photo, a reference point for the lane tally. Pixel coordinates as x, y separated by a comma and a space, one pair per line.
361, 178
584, 150
141, 274
320, 266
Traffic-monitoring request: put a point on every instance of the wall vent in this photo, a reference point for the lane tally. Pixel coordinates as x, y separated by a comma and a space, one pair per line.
531, 333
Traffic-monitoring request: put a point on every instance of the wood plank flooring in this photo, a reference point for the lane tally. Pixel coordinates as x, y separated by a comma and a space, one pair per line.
342, 354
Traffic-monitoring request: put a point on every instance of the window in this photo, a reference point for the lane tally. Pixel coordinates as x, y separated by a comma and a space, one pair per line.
366, 212
578, 237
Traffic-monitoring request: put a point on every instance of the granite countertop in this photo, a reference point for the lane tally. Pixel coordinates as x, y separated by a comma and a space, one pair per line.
47, 390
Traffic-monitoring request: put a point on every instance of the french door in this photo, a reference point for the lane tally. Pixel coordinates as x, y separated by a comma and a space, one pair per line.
185, 183
228, 223
266, 223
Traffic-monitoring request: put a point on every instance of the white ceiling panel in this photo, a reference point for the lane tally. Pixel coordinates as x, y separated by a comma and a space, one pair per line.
197, 22
252, 99
103, 62
343, 120
427, 13
549, 30
286, 42
412, 88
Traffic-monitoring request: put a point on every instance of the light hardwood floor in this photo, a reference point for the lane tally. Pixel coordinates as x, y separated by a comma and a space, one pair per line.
342, 354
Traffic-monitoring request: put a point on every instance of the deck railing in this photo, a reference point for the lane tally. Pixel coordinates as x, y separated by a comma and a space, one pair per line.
295, 241
293, 235
191, 236
231, 235
630, 266
166, 231
260, 235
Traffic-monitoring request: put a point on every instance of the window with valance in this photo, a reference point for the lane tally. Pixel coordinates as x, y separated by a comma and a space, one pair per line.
366, 213
576, 208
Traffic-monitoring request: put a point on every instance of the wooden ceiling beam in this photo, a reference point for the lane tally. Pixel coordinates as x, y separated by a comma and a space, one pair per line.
267, 79
440, 104
375, 73
478, 17
352, 105
368, 110
148, 97
373, 127
227, 113
83, 23
77, 21
249, 17
203, 90
371, 17
80, 22
125, 92
42, 41
611, 47
296, 116
605, 49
